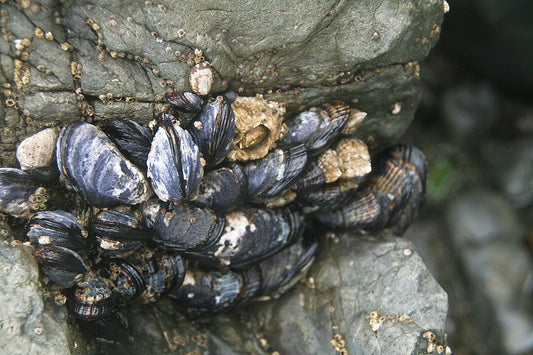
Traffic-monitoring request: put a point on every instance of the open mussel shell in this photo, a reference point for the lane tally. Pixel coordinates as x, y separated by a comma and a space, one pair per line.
93, 298
20, 193
62, 265
269, 176
317, 128
253, 234
213, 130
132, 139
91, 164
224, 188
216, 289
174, 164
57, 228
127, 278
183, 227
160, 270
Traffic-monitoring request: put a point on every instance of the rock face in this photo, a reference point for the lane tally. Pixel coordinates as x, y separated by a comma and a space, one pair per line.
64, 61
376, 298
27, 323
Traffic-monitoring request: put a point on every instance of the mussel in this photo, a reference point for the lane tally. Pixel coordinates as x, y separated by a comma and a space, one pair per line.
220, 289
58, 228
269, 176
62, 265
91, 164
183, 227
127, 278
253, 234
317, 128
20, 194
174, 164
132, 139
213, 130
389, 197
224, 188
93, 298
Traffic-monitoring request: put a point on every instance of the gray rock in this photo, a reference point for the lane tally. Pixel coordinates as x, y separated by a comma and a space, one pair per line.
488, 236
135, 52
479, 217
510, 165
469, 112
355, 276
28, 323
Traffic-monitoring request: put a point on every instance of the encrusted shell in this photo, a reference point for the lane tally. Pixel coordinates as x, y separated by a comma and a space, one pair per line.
93, 298
37, 151
201, 78
259, 124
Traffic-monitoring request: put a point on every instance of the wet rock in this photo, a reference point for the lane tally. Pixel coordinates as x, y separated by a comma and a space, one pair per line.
488, 235
469, 112
510, 166
30, 324
479, 217
370, 296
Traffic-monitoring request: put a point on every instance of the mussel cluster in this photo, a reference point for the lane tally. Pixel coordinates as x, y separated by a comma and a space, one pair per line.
162, 210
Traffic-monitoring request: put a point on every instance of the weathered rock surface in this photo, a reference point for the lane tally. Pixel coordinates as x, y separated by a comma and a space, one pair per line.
488, 236
375, 294
28, 324
64, 61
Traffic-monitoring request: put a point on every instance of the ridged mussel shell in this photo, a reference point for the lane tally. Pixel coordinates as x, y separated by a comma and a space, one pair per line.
174, 164
223, 188
20, 193
216, 290
62, 265
317, 128
269, 176
252, 234
127, 278
389, 197
132, 139
93, 298
57, 228
161, 272
213, 130
183, 227
91, 164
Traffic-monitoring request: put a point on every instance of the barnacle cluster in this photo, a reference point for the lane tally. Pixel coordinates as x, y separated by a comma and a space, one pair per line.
199, 207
